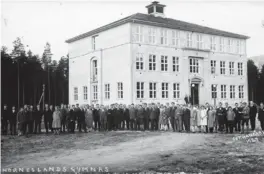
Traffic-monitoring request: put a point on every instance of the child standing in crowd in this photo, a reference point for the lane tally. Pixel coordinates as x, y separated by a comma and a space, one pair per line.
56, 123
230, 119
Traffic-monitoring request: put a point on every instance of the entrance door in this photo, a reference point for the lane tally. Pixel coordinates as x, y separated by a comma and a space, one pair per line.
195, 94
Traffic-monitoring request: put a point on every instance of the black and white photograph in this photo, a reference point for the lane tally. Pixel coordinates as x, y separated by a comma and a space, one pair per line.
130, 86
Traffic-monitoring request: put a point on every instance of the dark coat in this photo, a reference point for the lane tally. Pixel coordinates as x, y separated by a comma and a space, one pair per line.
172, 111
96, 115
63, 114
5, 114
13, 116
126, 114
140, 113
26, 115
237, 113
186, 114
38, 115
21, 117
252, 111
31, 115
154, 114
132, 113
221, 114
80, 115
47, 115
72, 115
261, 114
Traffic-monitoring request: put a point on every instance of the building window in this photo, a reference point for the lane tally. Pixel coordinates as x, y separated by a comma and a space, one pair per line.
176, 90
189, 40
75, 90
140, 90
221, 44
229, 46
107, 91
212, 43
139, 61
85, 93
214, 91
238, 46
231, 68
194, 65
139, 33
164, 90
94, 42
242, 49
95, 70
213, 66
175, 64
164, 63
199, 41
163, 37
152, 62
152, 90
119, 90
240, 68
175, 38
152, 35
232, 91
223, 91
95, 92
222, 67
241, 91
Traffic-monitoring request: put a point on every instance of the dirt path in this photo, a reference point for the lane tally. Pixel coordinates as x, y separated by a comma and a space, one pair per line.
125, 155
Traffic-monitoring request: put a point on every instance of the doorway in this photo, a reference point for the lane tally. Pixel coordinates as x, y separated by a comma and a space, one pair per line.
195, 94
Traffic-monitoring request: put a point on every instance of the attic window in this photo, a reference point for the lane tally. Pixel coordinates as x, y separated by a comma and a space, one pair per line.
159, 9
150, 10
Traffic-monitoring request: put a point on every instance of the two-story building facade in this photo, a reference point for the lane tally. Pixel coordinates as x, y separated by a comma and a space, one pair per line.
151, 58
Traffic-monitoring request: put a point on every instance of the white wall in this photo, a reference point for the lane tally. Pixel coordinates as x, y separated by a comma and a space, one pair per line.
112, 46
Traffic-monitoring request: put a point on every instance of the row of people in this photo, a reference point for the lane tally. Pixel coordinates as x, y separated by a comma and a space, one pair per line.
134, 117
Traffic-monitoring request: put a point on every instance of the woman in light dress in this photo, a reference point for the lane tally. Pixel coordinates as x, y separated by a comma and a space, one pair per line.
56, 123
89, 118
193, 120
203, 118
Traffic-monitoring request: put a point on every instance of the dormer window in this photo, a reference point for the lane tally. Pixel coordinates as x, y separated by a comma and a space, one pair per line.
150, 10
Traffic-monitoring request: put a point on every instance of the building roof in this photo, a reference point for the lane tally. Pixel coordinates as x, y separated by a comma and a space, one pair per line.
151, 20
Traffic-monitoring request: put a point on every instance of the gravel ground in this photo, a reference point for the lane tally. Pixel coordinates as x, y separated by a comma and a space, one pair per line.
137, 151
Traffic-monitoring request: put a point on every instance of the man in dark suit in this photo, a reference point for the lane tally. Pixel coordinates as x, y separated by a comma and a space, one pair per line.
132, 117
96, 117
126, 117
63, 117
172, 111
186, 118
252, 115
221, 115
13, 121
26, 120
71, 119
48, 118
146, 116
154, 117
238, 113
110, 117
31, 119
37, 120
4, 119
140, 117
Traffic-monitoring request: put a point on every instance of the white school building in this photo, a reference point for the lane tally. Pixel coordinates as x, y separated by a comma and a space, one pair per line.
152, 58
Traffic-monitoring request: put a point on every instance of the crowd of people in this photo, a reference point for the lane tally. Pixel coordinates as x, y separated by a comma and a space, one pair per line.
153, 117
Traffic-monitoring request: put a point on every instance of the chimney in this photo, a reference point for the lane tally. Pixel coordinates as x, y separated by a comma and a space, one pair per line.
156, 9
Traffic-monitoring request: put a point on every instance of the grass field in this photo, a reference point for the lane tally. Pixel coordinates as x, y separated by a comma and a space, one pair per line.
136, 151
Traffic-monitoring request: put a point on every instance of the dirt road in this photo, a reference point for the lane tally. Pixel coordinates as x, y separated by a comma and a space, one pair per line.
136, 151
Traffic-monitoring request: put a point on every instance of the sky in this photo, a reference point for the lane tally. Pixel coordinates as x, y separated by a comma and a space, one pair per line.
38, 22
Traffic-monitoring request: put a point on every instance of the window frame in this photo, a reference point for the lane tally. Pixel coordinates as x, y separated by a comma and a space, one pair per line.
165, 90
152, 62
164, 63
153, 90
139, 61
107, 91
85, 93
214, 91
194, 65
140, 90
175, 64
223, 67
176, 90
232, 90
75, 93
213, 66
231, 68
241, 92
163, 36
95, 92
223, 91
240, 68
199, 41
213, 43
152, 35
120, 90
